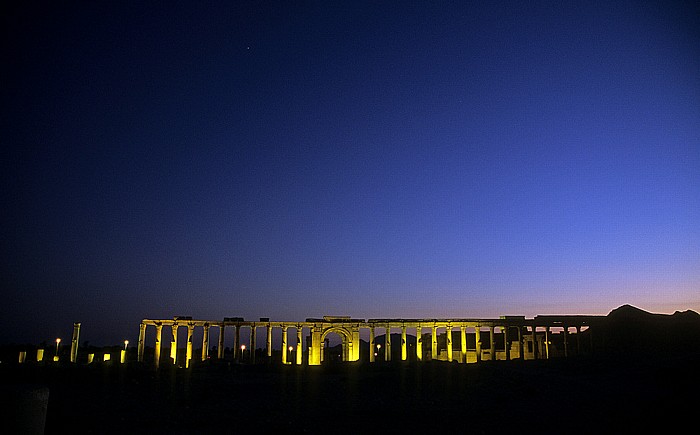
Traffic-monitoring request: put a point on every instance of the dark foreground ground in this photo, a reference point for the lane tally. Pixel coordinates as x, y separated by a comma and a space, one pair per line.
585, 395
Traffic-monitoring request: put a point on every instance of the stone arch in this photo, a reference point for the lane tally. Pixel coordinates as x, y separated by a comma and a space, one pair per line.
346, 338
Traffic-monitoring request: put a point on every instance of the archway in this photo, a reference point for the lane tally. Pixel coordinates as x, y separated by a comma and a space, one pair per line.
332, 351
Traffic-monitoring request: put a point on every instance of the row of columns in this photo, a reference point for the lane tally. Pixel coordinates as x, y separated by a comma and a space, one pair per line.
220, 349
372, 342
434, 342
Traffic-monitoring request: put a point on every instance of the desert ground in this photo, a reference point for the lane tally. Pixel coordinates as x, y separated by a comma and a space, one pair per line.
573, 395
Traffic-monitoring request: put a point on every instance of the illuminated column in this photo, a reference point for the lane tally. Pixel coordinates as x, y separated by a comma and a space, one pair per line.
566, 341
372, 347
315, 354
463, 342
419, 343
433, 343
205, 343
220, 349
268, 343
448, 336
355, 344
477, 332
546, 342
76, 334
190, 332
253, 330
506, 348
534, 341
492, 343
300, 347
404, 353
173, 344
387, 344
156, 353
323, 350
284, 345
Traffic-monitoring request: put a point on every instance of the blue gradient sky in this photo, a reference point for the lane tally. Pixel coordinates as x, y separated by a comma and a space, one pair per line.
374, 159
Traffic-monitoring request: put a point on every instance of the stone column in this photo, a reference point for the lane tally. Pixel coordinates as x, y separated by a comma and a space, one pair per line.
76, 336
534, 341
156, 353
506, 347
173, 344
268, 343
477, 332
546, 342
323, 350
448, 334
372, 346
433, 344
253, 330
492, 343
220, 349
404, 353
284, 345
419, 343
578, 340
315, 354
387, 344
237, 353
521, 343
300, 348
566, 341
205, 343
190, 332
463, 342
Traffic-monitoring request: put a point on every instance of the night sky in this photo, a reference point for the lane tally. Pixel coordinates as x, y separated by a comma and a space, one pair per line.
374, 159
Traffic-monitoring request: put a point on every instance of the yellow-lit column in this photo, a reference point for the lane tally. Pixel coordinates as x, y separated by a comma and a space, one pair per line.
220, 349
477, 332
315, 353
534, 341
463, 342
448, 333
284, 345
76, 335
300, 346
173, 344
433, 344
355, 345
506, 350
387, 344
546, 342
404, 352
372, 347
205, 343
492, 343
140, 346
190, 332
419, 343
156, 353
268, 343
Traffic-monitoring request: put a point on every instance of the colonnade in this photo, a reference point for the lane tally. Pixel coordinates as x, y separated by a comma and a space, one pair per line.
514, 346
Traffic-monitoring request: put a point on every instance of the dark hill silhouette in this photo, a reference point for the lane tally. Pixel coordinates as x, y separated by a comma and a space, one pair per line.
629, 329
